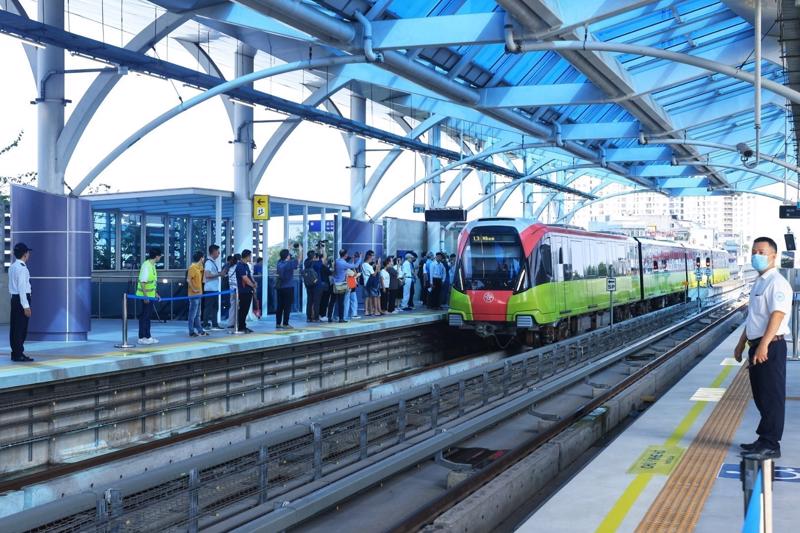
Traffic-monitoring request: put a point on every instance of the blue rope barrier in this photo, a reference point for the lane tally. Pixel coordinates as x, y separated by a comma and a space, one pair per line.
176, 298
752, 520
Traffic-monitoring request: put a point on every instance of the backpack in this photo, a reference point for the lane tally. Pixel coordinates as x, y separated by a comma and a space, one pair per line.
310, 277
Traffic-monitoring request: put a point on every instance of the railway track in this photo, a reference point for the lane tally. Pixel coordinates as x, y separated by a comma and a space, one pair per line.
319, 464
413, 342
397, 466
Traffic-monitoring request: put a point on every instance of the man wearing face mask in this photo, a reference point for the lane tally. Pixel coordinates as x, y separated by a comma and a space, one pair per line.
767, 323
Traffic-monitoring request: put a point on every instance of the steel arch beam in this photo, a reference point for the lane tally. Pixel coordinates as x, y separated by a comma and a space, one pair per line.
208, 65
345, 35
394, 154
211, 93
551, 196
517, 181
453, 186
597, 188
104, 83
571, 213
720, 146
649, 51
15, 7
275, 142
480, 155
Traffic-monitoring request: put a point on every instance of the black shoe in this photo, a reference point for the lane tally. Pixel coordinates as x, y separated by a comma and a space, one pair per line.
22, 359
761, 452
248, 330
343, 321
749, 446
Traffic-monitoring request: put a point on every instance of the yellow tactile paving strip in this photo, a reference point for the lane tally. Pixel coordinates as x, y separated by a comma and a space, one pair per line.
678, 506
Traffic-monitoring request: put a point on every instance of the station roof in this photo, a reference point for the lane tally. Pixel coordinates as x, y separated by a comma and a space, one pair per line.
197, 202
643, 120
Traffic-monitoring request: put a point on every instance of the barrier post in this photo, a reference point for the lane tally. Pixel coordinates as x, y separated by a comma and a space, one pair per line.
756, 476
124, 343
236, 315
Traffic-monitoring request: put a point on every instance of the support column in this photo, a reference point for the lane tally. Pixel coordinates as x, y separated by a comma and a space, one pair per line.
50, 98
243, 157
435, 230
527, 200
358, 157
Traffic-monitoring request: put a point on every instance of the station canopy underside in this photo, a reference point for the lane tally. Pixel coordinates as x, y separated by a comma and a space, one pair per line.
642, 120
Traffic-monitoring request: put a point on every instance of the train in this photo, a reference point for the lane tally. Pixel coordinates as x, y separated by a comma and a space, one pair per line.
538, 283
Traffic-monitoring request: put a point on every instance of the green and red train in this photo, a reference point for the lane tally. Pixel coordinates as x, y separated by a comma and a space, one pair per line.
540, 283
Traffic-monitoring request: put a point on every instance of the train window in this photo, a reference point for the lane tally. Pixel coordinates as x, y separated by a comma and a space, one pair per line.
580, 262
543, 263
493, 260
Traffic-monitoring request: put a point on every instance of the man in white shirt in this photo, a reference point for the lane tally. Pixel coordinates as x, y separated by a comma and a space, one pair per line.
213, 283
767, 323
408, 282
19, 285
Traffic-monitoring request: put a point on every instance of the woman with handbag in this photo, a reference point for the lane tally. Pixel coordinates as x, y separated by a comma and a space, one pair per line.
340, 279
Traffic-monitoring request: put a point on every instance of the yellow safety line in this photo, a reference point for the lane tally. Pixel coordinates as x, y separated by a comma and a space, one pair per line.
623, 505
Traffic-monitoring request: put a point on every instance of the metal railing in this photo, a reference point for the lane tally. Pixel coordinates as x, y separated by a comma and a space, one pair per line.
209, 488
126, 297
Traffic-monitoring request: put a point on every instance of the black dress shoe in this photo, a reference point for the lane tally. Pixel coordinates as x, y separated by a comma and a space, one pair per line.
761, 452
749, 446
22, 359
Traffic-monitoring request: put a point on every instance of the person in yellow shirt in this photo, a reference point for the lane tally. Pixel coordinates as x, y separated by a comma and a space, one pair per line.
195, 279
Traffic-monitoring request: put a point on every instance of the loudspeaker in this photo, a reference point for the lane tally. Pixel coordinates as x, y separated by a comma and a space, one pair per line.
445, 215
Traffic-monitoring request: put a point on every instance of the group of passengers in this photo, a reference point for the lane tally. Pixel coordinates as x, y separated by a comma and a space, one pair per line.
384, 285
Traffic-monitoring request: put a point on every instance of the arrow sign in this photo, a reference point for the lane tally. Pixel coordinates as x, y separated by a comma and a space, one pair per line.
261, 207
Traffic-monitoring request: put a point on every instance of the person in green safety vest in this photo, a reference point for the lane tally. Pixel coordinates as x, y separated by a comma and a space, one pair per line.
148, 278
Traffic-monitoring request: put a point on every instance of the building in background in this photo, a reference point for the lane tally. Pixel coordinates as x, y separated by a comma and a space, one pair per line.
721, 221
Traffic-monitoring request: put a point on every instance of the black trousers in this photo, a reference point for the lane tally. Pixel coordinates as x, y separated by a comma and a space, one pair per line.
313, 297
245, 299
19, 327
144, 319
285, 299
410, 302
325, 301
210, 308
768, 383
340, 303
435, 296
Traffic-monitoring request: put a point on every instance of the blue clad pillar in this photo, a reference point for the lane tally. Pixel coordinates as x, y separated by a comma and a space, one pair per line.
59, 230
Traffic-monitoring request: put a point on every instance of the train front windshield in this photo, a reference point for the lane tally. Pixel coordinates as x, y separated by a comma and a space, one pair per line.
492, 260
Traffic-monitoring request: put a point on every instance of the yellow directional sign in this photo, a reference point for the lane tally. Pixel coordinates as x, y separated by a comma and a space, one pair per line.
261, 207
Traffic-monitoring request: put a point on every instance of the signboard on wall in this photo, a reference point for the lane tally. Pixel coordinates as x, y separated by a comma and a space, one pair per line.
261, 207
315, 225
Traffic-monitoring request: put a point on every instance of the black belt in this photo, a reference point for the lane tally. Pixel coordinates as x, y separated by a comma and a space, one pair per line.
754, 342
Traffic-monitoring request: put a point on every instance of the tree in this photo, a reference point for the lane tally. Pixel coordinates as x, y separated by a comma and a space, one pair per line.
25, 178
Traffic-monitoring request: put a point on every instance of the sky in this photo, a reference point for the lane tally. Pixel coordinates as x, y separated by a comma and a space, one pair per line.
194, 150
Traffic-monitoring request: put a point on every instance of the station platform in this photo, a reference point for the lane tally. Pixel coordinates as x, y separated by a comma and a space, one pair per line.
675, 469
57, 361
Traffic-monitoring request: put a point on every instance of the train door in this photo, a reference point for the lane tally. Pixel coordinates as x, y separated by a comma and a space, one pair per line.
562, 273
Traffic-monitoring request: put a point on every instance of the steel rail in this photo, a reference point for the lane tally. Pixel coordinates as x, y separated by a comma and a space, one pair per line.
444, 502
265, 518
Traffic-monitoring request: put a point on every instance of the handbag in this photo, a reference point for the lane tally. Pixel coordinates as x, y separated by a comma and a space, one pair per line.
340, 288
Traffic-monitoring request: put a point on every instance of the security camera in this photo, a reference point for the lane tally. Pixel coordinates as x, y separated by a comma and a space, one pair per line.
744, 151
